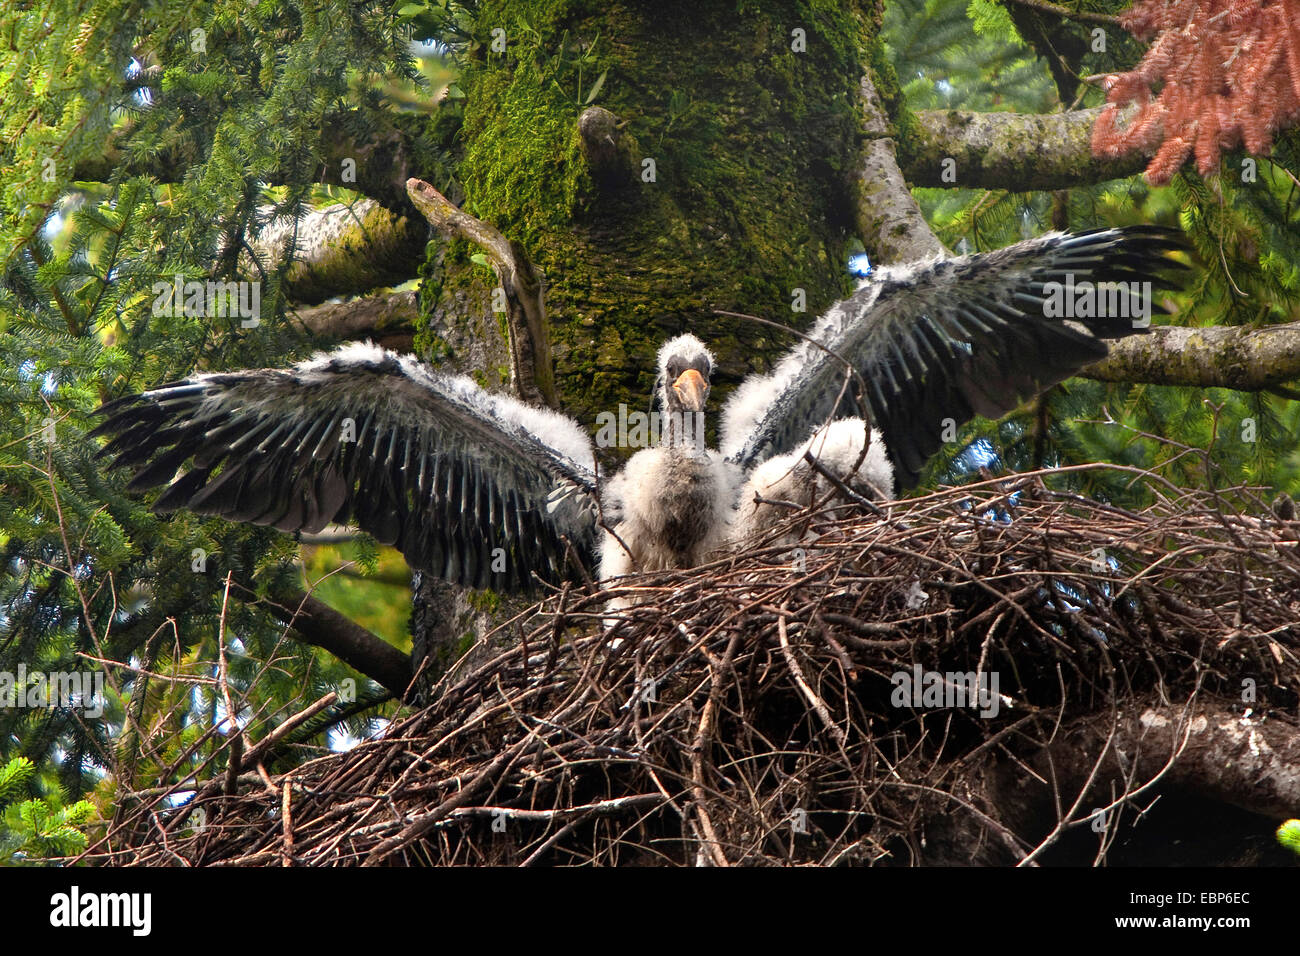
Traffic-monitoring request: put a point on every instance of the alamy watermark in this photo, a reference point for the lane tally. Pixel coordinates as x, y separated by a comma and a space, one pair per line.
919, 688
637, 429
242, 300
1093, 300
75, 909
83, 689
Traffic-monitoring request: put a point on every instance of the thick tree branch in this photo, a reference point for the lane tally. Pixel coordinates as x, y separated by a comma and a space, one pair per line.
1247, 359
318, 624
887, 216
1213, 751
343, 249
525, 296
1016, 151
390, 319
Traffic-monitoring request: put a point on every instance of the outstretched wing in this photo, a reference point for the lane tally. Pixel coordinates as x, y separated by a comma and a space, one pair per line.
477, 488
952, 338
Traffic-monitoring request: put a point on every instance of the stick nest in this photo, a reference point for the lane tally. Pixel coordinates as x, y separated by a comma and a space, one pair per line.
747, 712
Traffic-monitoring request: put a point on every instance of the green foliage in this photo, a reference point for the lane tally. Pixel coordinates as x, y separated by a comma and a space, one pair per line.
1288, 834
37, 829
952, 58
992, 20
202, 105
450, 22
370, 586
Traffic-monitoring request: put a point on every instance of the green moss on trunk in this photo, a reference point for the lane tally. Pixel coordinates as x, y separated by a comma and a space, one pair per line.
751, 142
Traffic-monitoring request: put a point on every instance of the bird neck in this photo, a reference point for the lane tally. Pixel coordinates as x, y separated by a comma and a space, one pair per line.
684, 430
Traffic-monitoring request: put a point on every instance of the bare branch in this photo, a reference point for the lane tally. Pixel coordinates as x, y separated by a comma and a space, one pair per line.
264, 746
1080, 16
530, 350
318, 624
887, 216
1016, 151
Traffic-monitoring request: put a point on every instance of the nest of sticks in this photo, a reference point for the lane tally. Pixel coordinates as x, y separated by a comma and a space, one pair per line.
785, 707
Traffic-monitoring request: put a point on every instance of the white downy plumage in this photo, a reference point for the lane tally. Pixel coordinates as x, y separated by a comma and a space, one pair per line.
837, 447
486, 491
671, 504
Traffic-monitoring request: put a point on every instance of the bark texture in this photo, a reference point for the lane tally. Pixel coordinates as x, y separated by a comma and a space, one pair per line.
1019, 151
886, 212
724, 187
342, 249
1248, 359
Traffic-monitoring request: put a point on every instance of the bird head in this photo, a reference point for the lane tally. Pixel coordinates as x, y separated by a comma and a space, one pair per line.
685, 367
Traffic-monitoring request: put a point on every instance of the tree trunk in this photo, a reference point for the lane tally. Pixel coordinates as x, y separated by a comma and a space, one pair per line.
746, 144
714, 175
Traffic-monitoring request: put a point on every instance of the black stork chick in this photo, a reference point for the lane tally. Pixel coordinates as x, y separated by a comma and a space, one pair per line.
930, 345
671, 504
484, 490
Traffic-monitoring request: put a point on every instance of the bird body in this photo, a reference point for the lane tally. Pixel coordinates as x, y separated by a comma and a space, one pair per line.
486, 491
671, 505
674, 508
846, 448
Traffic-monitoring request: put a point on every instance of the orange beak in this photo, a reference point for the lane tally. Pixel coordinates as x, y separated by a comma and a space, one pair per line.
692, 389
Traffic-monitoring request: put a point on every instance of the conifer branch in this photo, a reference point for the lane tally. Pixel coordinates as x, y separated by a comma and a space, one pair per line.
69, 315
1218, 74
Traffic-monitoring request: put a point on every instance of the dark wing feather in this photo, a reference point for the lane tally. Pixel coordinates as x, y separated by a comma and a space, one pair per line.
948, 339
438, 468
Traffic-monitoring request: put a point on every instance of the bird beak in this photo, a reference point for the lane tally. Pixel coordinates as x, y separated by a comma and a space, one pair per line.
692, 389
